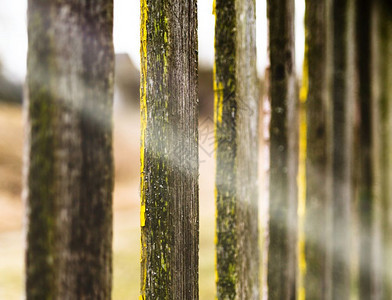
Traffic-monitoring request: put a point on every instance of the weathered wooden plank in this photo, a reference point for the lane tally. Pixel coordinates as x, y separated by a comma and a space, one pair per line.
236, 123
69, 178
318, 156
282, 251
169, 150
342, 40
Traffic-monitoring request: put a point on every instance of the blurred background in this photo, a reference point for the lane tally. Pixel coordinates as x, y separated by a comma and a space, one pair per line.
13, 50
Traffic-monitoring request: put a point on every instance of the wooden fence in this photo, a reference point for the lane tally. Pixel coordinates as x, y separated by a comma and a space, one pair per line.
330, 201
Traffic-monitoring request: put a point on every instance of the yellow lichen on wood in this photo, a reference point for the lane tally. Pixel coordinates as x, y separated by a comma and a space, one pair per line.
143, 121
142, 215
169, 226
218, 90
301, 180
143, 87
215, 189
301, 203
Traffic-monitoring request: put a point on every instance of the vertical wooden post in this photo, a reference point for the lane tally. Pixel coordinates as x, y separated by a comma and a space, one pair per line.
385, 65
368, 277
282, 250
236, 123
343, 107
169, 150
69, 151
318, 158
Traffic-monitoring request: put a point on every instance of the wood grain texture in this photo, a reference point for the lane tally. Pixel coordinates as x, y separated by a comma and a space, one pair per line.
282, 249
69, 178
169, 150
236, 123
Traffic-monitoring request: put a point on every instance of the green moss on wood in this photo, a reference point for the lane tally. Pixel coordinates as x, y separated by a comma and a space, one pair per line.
235, 139
169, 166
70, 163
225, 139
40, 254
